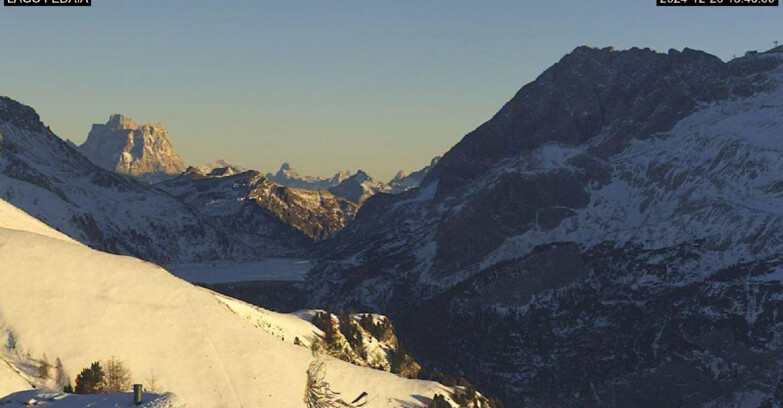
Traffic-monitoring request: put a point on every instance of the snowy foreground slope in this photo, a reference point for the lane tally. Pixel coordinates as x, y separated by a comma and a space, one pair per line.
11, 380
65, 300
44, 398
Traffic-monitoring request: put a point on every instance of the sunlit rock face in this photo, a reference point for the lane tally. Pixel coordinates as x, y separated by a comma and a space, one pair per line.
142, 151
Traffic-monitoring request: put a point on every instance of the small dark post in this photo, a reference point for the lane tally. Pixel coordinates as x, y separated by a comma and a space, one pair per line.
137, 394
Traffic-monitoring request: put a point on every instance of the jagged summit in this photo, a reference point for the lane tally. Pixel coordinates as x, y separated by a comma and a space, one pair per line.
288, 176
637, 91
119, 121
19, 115
143, 151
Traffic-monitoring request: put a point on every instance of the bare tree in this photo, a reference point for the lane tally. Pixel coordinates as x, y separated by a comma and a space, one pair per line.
118, 376
44, 367
59, 373
153, 384
318, 392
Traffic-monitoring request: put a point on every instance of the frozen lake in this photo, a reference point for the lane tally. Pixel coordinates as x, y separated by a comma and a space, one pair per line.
270, 269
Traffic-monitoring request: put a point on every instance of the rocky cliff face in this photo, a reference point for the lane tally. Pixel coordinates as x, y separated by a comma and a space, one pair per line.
49, 179
275, 219
609, 238
142, 151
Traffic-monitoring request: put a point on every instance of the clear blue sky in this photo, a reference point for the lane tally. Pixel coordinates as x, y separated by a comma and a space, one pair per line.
325, 85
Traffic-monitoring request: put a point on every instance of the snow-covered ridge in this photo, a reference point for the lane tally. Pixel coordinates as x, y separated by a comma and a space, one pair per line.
49, 179
80, 305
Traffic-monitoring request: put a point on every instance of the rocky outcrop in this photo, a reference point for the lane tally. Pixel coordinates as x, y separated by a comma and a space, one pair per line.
142, 151
366, 340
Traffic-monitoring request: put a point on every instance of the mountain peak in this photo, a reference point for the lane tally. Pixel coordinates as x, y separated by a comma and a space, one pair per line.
120, 121
143, 151
19, 115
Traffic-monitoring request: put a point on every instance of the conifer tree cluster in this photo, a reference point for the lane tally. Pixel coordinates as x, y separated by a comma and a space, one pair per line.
112, 376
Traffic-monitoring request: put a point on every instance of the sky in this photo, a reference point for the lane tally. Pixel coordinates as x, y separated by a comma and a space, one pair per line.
325, 85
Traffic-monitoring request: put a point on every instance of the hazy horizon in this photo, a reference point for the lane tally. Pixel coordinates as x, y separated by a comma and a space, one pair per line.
324, 86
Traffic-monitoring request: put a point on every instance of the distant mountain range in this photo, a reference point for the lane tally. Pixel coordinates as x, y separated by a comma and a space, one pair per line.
355, 187
288, 176
147, 153
173, 222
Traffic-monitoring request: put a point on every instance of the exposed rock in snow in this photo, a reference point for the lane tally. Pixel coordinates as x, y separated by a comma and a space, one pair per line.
142, 151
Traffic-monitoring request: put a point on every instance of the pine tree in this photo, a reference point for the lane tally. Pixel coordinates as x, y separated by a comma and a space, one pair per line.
90, 380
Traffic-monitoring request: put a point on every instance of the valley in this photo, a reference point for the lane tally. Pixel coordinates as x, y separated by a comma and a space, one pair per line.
611, 237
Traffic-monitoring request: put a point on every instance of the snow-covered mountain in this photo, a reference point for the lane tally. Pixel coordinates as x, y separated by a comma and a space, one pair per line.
142, 151
404, 181
79, 305
359, 187
273, 219
49, 179
611, 237
219, 167
288, 176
